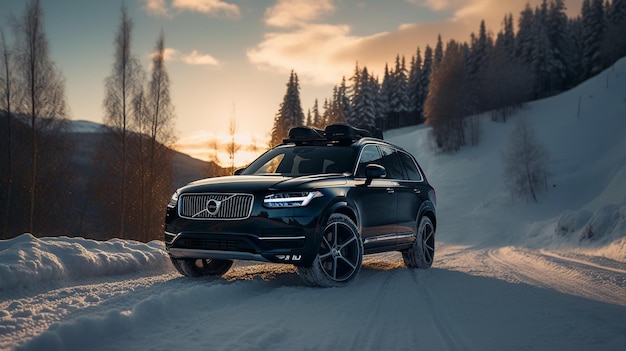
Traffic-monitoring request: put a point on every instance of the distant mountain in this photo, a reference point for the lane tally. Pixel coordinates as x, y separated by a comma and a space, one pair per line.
87, 134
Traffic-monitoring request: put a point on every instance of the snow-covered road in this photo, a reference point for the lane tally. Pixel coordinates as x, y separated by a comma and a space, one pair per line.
472, 299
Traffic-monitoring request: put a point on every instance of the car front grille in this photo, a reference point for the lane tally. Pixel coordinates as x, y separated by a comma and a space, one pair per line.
215, 206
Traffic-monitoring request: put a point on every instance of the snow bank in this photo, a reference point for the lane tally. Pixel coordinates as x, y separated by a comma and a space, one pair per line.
27, 262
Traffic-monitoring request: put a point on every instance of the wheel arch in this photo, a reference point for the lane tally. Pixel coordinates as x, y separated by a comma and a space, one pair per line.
428, 209
343, 207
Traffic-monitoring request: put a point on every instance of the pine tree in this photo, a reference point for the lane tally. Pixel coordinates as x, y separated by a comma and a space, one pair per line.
352, 118
438, 54
576, 70
507, 36
364, 102
613, 46
400, 101
477, 59
542, 58
316, 117
424, 80
343, 102
386, 92
415, 92
524, 39
290, 113
561, 44
593, 26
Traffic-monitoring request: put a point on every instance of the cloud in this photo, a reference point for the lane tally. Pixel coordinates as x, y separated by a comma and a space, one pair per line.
170, 54
195, 58
210, 7
213, 8
310, 50
294, 13
156, 7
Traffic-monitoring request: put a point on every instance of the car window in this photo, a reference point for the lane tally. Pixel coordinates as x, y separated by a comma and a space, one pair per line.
392, 163
369, 155
411, 171
303, 160
271, 166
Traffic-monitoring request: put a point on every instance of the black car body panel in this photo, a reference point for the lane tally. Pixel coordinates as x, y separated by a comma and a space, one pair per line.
276, 211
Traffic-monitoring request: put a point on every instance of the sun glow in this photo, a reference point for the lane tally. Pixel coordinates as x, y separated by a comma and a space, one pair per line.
214, 147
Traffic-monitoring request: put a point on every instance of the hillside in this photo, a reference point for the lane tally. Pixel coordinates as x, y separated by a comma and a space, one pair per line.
585, 204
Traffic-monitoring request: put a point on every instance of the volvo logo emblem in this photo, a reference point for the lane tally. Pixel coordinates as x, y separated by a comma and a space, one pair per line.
213, 207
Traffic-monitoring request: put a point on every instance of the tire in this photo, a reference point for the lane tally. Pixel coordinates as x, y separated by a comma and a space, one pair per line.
192, 267
422, 253
340, 255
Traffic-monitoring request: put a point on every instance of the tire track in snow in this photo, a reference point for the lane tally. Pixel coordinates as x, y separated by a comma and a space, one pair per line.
581, 262
448, 335
567, 276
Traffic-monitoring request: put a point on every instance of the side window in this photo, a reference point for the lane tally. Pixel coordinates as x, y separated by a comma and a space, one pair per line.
369, 155
392, 163
412, 173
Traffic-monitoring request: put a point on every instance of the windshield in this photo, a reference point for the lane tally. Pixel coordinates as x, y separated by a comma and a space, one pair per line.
297, 161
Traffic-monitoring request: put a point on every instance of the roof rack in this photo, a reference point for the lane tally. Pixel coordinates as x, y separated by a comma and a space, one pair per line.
334, 133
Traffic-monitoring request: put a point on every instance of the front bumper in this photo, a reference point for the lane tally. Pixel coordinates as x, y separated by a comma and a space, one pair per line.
269, 235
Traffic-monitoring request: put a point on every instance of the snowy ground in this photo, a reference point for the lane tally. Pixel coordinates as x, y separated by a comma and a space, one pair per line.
508, 275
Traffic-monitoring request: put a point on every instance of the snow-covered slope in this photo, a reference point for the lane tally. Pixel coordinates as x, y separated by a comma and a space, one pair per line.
585, 204
508, 274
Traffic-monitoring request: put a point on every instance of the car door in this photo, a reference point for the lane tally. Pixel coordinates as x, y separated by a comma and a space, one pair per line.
376, 200
412, 193
406, 190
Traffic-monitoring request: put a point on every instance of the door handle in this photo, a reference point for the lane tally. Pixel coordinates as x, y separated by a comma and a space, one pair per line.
417, 191
390, 191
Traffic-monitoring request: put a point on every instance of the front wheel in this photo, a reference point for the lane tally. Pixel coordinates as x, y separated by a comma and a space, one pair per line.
198, 267
422, 252
340, 254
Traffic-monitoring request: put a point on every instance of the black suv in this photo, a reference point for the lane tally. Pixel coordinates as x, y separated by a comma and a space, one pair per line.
319, 201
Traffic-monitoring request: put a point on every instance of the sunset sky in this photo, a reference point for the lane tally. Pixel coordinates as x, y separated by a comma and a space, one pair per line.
233, 58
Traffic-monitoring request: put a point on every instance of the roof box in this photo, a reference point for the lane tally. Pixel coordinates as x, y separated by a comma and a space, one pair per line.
303, 134
346, 132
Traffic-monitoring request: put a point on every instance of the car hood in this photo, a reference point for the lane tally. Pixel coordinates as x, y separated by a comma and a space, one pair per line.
251, 184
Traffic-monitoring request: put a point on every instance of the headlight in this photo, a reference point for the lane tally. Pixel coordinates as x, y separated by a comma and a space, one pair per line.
290, 199
173, 200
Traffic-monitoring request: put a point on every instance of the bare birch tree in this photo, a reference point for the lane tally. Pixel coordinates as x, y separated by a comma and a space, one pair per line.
6, 97
525, 161
232, 146
121, 90
160, 112
42, 88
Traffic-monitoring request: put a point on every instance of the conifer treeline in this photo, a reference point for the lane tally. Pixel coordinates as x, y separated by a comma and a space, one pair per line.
548, 54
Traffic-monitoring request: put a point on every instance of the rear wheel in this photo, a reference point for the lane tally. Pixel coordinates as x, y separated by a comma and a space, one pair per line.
198, 267
422, 253
340, 254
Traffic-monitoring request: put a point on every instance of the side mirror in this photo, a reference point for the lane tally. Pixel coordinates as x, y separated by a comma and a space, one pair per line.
238, 171
375, 171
